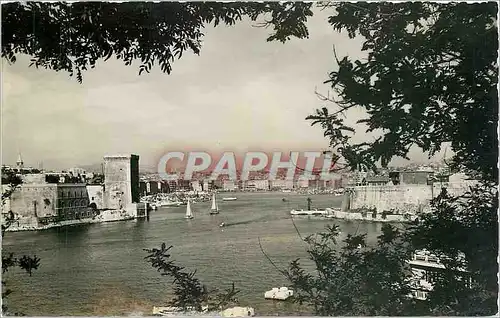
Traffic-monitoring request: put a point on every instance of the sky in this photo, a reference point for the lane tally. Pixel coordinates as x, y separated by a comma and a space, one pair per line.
241, 93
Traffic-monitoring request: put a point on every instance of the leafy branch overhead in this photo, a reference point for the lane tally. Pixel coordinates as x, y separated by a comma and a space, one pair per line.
430, 77
73, 37
189, 292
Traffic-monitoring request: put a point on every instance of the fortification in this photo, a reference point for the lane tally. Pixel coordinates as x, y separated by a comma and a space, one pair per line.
121, 181
410, 199
399, 199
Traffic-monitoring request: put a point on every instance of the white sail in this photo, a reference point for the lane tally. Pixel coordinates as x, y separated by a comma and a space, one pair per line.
215, 207
189, 213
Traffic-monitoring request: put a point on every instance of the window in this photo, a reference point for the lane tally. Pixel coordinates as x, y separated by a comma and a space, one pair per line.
421, 295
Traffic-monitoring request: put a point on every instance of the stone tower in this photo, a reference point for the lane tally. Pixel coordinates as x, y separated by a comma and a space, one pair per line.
121, 181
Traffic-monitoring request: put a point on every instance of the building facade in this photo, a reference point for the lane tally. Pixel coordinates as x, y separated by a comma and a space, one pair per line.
73, 202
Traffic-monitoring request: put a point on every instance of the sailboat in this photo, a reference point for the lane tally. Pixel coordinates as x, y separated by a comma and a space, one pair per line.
215, 206
189, 213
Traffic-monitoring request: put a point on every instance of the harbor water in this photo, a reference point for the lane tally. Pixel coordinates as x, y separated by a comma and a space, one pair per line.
99, 269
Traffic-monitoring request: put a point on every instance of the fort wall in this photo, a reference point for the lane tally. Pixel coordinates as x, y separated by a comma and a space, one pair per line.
400, 199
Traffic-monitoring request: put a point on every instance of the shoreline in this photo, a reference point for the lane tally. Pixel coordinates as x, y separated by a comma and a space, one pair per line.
104, 217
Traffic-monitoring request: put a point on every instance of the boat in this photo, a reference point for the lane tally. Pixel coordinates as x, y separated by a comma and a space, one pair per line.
189, 213
309, 213
282, 293
215, 206
177, 311
425, 267
168, 203
229, 199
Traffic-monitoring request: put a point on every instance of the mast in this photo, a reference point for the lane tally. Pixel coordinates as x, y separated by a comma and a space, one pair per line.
215, 207
189, 213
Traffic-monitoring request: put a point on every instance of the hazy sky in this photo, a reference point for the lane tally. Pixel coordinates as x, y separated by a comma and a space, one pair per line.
240, 92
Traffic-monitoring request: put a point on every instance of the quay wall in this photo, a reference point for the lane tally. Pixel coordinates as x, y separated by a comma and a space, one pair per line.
30, 224
403, 199
377, 217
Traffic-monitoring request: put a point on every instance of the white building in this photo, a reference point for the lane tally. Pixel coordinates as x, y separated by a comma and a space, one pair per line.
257, 185
282, 184
229, 185
77, 171
196, 186
301, 183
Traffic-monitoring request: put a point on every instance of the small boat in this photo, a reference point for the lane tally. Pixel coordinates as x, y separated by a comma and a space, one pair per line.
282, 293
229, 199
189, 213
177, 311
310, 213
215, 206
169, 203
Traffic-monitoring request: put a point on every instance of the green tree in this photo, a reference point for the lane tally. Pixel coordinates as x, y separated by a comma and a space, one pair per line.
74, 37
189, 292
353, 279
430, 78
27, 263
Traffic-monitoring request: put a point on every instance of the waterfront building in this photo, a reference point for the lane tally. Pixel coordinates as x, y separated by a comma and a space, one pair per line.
302, 183
184, 185
281, 184
44, 203
206, 185
77, 171
256, 185
197, 186
229, 185
411, 177
377, 180
316, 184
73, 202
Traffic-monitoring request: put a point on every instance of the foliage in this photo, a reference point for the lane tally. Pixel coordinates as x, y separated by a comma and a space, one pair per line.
354, 279
26, 263
73, 37
430, 78
10, 178
188, 290
470, 221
